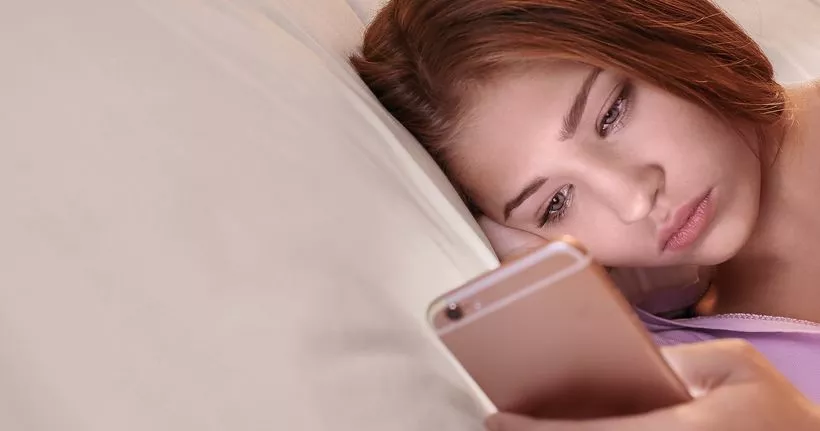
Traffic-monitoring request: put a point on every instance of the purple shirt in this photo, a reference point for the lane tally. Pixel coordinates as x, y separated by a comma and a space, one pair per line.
792, 346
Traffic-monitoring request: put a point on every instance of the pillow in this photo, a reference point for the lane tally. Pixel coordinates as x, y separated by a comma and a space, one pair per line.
209, 224
366, 9
787, 32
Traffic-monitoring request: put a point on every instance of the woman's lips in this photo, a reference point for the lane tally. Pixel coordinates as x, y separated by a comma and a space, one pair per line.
687, 225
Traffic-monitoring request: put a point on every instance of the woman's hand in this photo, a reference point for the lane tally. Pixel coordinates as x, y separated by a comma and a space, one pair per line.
509, 242
635, 283
734, 387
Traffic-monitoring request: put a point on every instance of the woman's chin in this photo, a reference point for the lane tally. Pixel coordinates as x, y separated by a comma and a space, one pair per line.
718, 249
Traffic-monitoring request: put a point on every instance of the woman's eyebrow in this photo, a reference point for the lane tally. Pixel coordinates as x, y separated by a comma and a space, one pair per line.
525, 193
576, 111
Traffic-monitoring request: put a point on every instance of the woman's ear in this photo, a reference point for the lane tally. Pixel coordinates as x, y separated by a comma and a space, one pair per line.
509, 242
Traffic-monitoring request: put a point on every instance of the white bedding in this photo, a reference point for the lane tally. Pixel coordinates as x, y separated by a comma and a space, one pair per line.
788, 31
209, 224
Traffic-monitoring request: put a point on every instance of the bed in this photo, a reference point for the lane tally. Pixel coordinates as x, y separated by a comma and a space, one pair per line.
210, 224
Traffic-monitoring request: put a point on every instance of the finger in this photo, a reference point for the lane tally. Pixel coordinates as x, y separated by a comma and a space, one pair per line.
666, 420
511, 422
705, 366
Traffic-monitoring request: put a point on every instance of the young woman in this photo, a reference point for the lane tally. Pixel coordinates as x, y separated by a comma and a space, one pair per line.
651, 130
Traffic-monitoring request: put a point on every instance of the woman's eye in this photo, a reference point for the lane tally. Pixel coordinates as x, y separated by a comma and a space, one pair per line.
615, 114
557, 206
557, 203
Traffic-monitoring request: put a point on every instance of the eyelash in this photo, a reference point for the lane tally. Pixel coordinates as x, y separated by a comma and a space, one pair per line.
550, 217
622, 105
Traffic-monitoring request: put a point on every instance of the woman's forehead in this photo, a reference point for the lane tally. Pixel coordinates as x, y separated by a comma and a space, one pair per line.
508, 121
515, 103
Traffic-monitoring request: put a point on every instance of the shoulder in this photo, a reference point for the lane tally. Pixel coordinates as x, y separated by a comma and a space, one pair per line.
812, 90
805, 96
804, 110
811, 110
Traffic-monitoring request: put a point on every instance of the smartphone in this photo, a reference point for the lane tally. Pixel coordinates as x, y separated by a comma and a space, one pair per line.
548, 335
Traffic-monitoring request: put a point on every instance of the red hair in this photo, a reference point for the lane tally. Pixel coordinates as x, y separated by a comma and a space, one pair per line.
421, 57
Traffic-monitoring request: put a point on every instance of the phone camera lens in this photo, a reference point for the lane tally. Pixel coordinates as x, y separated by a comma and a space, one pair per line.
454, 312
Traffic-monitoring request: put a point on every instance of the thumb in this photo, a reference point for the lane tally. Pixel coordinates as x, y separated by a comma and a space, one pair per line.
510, 422
705, 366
664, 420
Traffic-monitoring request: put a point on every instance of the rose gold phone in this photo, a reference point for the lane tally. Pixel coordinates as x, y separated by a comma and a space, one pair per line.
548, 335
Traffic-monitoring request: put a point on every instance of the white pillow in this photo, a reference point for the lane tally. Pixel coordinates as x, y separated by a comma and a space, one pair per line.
786, 30
366, 9
209, 224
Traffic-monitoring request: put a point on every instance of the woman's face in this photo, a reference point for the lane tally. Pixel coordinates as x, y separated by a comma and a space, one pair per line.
640, 177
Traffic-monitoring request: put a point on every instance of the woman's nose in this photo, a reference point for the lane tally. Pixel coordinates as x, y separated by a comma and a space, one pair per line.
631, 191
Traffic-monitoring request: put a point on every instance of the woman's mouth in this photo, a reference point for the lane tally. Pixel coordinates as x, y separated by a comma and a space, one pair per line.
688, 223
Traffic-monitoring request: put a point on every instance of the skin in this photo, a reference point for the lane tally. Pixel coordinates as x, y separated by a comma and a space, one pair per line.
638, 156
